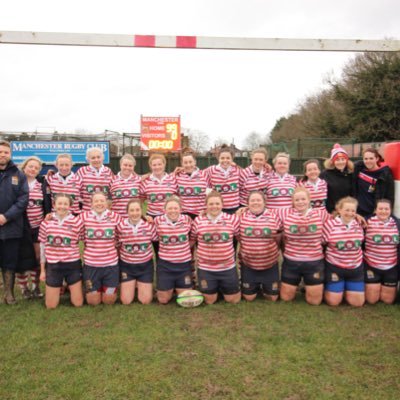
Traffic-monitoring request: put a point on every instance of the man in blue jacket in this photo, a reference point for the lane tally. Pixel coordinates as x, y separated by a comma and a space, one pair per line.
14, 196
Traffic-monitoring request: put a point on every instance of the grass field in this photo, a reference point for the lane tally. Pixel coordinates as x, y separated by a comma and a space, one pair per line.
248, 351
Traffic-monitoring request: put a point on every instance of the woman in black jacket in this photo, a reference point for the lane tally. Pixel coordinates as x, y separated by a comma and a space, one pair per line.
338, 175
373, 180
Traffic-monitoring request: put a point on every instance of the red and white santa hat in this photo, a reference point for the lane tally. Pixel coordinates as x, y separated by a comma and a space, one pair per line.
338, 151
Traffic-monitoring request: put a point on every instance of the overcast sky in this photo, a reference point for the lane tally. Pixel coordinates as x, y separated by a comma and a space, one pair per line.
226, 94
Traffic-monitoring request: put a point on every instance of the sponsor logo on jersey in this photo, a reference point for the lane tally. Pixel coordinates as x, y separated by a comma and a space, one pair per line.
135, 248
173, 239
58, 240
348, 244
282, 192
216, 237
226, 187
100, 233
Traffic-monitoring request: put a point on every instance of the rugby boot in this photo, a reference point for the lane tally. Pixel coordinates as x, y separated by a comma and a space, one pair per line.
9, 279
36, 293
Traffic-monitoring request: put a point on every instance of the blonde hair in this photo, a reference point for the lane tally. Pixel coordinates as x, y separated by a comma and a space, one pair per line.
343, 200
63, 155
300, 189
157, 156
281, 154
127, 157
171, 199
214, 193
260, 150
31, 158
254, 193
94, 150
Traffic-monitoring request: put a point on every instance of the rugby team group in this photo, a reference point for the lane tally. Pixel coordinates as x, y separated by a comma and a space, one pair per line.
230, 232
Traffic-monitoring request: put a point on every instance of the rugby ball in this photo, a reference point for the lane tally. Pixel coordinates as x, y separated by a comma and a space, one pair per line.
190, 298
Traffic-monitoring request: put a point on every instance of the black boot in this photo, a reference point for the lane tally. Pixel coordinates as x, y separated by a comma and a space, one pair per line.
8, 281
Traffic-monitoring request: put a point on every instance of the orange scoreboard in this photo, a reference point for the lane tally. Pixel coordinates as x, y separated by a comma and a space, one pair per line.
160, 133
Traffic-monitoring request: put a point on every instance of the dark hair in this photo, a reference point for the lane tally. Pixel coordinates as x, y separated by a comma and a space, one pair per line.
376, 153
225, 149
188, 151
305, 164
131, 201
385, 201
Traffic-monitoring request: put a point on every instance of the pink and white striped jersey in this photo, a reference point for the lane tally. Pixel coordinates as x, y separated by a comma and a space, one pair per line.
35, 205
381, 243
258, 247
250, 181
303, 233
100, 238
280, 190
192, 190
174, 238
93, 181
156, 191
136, 241
122, 190
71, 185
226, 182
318, 192
343, 243
214, 238
61, 238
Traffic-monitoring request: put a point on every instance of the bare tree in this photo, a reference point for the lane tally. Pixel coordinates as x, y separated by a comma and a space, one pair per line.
199, 141
253, 140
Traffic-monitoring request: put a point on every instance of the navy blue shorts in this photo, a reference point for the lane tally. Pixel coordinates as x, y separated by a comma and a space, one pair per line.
210, 282
56, 273
312, 272
9, 253
101, 279
174, 275
137, 272
386, 277
265, 279
35, 235
339, 280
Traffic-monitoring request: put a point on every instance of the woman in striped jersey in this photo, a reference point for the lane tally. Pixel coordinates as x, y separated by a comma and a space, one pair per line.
381, 255
259, 249
100, 270
174, 268
317, 187
281, 184
60, 256
303, 252
214, 233
224, 178
344, 236
158, 186
135, 236
193, 184
255, 176
38, 207
124, 186
65, 181
95, 177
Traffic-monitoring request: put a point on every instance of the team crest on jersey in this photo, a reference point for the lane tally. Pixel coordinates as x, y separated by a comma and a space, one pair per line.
370, 274
100, 233
173, 239
334, 277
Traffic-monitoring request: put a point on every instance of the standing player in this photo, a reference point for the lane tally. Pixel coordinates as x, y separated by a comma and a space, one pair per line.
259, 249
95, 177
174, 268
317, 187
135, 237
38, 206
214, 233
125, 185
158, 186
65, 181
344, 259
255, 176
193, 185
224, 179
281, 184
381, 255
100, 270
303, 252
60, 257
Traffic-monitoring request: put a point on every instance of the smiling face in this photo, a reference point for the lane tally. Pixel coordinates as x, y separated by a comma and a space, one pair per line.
258, 161
225, 159
5, 156
64, 166
312, 172
256, 203
127, 167
340, 162
95, 159
32, 169
370, 160
157, 167
134, 212
214, 206
347, 212
281, 165
188, 164
173, 210
62, 205
383, 211
301, 201
99, 203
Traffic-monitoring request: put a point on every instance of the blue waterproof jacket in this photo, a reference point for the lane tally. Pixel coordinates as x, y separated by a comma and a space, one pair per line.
14, 196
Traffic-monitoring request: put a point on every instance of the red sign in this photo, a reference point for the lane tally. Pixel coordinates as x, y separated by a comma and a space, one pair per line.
160, 133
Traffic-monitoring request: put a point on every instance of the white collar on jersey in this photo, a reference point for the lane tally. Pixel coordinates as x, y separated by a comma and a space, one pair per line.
194, 174
100, 216
260, 174
64, 179
97, 171
154, 178
314, 184
135, 228
281, 177
226, 172
62, 220
216, 219
169, 222
32, 184
124, 179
